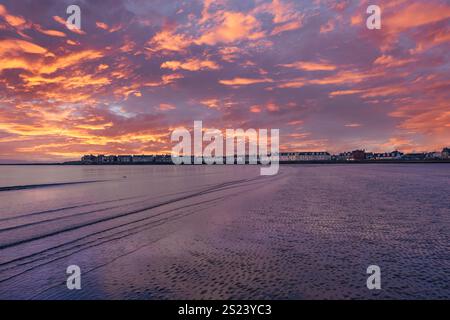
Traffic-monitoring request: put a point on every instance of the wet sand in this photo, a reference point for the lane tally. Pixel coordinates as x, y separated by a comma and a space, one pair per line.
309, 232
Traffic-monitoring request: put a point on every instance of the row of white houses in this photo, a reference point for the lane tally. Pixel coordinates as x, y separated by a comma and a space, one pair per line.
305, 156
357, 155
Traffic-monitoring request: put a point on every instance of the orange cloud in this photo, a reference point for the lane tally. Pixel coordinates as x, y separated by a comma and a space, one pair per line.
294, 83
102, 25
272, 107
294, 25
70, 60
166, 79
190, 65
282, 11
348, 76
285, 16
344, 92
230, 54
244, 81
356, 20
12, 20
429, 39
353, 125
310, 66
168, 40
166, 107
400, 18
231, 27
328, 27
72, 43
211, 103
255, 109
52, 33
390, 61
63, 22
12, 54
339, 78
16, 45
416, 14
295, 122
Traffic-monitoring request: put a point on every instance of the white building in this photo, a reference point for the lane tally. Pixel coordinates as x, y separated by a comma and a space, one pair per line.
305, 156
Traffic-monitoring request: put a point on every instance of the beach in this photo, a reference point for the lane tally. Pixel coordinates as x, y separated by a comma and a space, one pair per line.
225, 232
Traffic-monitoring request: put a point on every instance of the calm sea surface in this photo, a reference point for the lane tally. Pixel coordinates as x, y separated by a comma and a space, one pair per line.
225, 232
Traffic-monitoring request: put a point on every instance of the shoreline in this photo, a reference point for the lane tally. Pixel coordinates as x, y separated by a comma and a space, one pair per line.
78, 163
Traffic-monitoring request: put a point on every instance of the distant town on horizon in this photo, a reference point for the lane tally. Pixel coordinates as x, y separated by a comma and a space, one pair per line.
350, 156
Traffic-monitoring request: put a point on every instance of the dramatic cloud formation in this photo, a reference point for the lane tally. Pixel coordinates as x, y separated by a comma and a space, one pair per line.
138, 69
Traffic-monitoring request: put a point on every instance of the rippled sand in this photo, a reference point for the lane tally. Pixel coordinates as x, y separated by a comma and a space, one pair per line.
225, 232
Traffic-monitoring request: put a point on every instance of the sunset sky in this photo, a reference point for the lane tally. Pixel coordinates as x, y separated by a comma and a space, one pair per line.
138, 69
